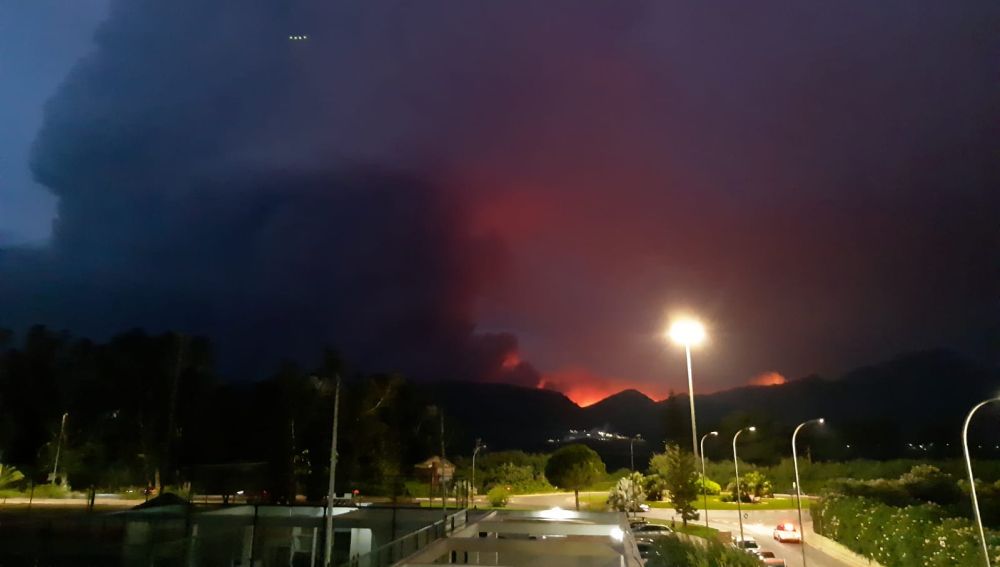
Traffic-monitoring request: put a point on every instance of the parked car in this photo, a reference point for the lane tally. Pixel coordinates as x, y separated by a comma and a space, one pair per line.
647, 549
747, 544
651, 531
768, 558
786, 532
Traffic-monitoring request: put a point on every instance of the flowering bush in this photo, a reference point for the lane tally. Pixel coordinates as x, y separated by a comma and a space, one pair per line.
672, 551
911, 536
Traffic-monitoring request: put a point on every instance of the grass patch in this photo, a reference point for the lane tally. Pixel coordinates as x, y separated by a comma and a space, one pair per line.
594, 502
698, 530
715, 504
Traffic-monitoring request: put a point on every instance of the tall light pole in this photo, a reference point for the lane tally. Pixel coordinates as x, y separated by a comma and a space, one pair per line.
798, 485
328, 556
704, 488
631, 450
736, 464
689, 333
972, 479
62, 433
479, 446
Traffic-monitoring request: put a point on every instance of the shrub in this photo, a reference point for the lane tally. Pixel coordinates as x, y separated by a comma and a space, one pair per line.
928, 483
672, 551
900, 536
707, 485
922, 483
9, 476
627, 494
654, 486
416, 489
498, 496
50, 491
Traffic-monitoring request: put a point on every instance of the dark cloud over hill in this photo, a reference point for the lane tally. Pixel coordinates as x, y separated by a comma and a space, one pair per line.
428, 185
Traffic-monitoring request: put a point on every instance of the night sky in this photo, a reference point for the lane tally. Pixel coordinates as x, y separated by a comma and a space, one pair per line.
508, 191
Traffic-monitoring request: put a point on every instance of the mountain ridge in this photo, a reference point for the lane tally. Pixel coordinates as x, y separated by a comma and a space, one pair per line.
917, 395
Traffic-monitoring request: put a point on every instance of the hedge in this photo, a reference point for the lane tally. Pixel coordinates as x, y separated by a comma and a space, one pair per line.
910, 536
672, 551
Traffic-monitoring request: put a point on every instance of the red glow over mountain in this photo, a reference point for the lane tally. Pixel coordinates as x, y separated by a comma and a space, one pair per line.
586, 388
768, 379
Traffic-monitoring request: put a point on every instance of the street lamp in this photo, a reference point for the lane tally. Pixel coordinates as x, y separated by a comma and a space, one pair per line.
631, 449
689, 332
736, 464
479, 446
972, 479
798, 484
704, 488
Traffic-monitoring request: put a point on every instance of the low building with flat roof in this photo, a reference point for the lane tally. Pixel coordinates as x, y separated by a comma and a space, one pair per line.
544, 538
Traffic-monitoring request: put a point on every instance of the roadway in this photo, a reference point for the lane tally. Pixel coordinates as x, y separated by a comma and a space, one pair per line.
758, 523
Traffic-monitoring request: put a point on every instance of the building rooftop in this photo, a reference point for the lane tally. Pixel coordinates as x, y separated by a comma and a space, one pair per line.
545, 538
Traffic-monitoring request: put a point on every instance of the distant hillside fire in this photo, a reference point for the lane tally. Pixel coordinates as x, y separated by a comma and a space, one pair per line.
768, 379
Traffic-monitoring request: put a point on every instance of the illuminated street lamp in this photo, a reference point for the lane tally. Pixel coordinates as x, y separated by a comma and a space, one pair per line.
704, 488
798, 484
479, 447
689, 332
736, 465
972, 479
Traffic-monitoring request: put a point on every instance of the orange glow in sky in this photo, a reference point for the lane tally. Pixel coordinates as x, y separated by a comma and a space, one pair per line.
510, 361
768, 379
586, 388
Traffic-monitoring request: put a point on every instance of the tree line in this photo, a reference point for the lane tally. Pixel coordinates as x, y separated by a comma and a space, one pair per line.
150, 410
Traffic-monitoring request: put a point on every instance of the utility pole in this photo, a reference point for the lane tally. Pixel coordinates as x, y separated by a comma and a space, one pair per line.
62, 432
328, 558
168, 439
444, 484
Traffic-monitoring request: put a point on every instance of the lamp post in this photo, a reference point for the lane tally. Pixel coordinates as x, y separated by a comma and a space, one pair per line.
798, 484
972, 479
688, 332
479, 446
331, 491
631, 449
62, 433
736, 465
704, 488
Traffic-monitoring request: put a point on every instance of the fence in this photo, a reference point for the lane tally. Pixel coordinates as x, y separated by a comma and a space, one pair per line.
400, 548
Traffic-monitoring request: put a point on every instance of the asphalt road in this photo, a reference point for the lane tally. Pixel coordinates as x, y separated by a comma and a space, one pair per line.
759, 524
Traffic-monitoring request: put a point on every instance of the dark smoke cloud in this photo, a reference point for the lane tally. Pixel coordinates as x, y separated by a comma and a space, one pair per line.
818, 181
215, 177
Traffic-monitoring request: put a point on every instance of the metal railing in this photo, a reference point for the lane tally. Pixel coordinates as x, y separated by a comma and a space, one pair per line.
401, 548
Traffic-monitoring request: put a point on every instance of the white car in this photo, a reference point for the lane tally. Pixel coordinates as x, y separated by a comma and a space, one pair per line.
651, 531
747, 544
786, 532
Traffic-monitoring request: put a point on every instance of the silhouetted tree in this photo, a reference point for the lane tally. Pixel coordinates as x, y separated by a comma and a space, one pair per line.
574, 467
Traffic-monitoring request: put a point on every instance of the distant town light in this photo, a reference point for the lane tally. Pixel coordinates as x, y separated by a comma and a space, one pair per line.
687, 332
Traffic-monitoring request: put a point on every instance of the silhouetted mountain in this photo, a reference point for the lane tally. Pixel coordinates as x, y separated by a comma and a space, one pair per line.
626, 412
505, 416
909, 390
921, 396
